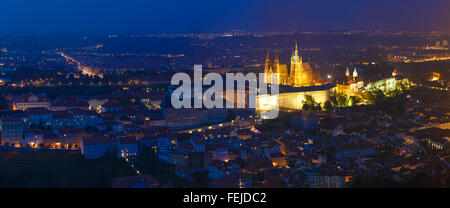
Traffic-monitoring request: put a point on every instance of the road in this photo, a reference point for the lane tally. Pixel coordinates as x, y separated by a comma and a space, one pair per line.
84, 69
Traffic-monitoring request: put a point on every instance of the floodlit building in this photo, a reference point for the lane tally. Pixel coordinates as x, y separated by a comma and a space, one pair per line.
301, 80
387, 84
31, 101
353, 85
300, 74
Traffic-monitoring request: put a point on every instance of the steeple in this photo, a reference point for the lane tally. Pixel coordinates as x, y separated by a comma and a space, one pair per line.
295, 57
276, 66
296, 49
355, 73
267, 69
276, 61
347, 72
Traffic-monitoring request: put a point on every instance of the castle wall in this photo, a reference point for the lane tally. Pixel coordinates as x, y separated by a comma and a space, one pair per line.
291, 100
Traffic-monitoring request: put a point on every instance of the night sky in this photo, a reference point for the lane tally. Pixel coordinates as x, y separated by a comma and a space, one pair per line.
158, 16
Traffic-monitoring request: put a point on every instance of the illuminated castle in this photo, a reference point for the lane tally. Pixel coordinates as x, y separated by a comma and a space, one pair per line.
299, 75
353, 85
299, 81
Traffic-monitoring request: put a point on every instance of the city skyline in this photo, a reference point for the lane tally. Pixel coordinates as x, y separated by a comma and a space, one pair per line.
175, 16
224, 94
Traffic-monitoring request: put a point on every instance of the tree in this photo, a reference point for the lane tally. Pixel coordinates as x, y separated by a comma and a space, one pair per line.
317, 107
391, 102
353, 100
306, 107
328, 106
333, 98
309, 104
373, 96
339, 99
342, 100
394, 105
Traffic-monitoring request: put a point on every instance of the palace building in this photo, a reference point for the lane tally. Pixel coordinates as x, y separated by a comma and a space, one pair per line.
353, 85
388, 84
302, 80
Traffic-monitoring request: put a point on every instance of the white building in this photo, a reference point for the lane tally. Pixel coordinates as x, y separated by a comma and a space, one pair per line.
31, 101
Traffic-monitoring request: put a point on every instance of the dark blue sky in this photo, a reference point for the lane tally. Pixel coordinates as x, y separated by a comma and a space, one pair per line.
156, 16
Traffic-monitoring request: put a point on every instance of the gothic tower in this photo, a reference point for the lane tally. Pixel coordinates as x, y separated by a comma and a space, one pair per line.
355, 73
296, 69
281, 71
276, 63
276, 66
267, 67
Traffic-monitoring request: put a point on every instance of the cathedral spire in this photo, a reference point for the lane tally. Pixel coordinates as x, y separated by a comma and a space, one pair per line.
267, 68
347, 72
276, 57
276, 63
355, 73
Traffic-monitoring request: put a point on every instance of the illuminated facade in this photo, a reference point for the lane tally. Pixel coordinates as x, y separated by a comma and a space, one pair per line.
291, 98
353, 85
299, 81
31, 101
300, 73
388, 84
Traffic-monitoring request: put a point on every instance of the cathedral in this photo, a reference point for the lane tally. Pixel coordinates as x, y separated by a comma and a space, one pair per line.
300, 73
295, 83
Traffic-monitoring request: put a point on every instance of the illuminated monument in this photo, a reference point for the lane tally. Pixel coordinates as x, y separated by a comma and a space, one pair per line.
353, 85
300, 73
301, 80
